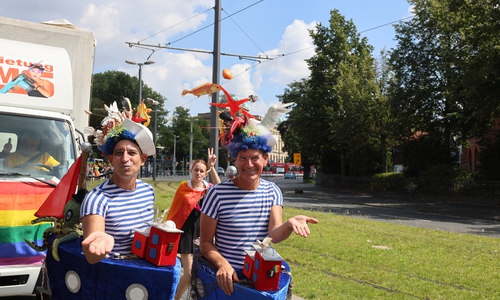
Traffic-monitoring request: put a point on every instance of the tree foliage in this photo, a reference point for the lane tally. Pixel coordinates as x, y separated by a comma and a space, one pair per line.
383, 119
446, 73
297, 131
181, 127
109, 86
332, 122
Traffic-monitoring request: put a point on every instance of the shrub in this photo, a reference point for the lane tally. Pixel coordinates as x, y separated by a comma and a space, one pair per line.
444, 179
388, 181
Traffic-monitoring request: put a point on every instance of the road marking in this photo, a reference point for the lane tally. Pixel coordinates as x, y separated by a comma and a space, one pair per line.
399, 217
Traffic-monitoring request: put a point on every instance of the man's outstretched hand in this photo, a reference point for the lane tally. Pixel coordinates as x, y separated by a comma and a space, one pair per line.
99, 243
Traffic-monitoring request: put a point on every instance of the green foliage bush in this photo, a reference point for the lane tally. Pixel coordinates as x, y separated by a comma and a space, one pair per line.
446, 179
389, 181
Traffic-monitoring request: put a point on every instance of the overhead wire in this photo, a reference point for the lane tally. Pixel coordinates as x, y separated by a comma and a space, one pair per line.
305, 49
297, 51
175, 25
245, 33
373, 28
256, 62
203, 28
210, 25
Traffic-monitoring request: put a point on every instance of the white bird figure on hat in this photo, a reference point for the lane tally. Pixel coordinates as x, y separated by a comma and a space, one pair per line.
114, 114
274, 113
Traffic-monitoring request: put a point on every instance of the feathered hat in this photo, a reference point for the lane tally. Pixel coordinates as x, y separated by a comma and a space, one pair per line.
119, 126
241, 131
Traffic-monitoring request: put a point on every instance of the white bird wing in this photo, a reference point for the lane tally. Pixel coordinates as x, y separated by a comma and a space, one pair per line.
114, 114
89, 130
274, 113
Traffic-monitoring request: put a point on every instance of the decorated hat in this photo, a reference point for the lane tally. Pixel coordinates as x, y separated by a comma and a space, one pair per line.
241, 131
119, 126
246, 133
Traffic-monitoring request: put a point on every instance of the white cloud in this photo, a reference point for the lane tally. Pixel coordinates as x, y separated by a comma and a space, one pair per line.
292, 66
248, 78
159, 22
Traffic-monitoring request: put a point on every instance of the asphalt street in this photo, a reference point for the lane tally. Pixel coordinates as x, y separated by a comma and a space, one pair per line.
397, 208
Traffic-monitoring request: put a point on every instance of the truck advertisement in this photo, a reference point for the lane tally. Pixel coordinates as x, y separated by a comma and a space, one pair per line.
38, 80
45, 88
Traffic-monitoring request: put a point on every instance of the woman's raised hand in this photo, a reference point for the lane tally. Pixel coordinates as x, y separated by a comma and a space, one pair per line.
212, 158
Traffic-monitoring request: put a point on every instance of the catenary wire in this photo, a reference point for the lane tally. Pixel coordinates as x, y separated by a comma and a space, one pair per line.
210, 25
297, 51
174, 25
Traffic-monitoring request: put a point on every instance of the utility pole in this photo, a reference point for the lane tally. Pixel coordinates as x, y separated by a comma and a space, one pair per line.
214, 131
191, 149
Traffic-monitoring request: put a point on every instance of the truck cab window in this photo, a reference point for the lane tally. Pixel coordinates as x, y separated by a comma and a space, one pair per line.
36, 146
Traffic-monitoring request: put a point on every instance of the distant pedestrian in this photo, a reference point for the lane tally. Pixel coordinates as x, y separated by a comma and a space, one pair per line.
231, 172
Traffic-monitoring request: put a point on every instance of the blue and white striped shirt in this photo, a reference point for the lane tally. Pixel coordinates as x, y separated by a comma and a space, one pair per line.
242, 217
123, 210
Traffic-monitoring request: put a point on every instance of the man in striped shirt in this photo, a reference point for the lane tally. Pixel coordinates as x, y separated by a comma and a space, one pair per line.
247, 208
121, 204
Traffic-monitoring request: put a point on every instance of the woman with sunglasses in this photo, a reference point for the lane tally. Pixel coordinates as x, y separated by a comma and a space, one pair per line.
40, 87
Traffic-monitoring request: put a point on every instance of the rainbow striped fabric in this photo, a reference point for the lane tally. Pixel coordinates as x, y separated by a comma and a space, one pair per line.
19, 200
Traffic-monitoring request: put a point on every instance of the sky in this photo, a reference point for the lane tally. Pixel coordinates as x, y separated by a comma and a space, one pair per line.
269, 28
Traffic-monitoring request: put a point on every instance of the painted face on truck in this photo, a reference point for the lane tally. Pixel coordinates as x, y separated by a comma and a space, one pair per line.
36, 72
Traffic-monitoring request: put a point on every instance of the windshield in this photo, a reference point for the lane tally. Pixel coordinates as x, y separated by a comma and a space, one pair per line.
38, 147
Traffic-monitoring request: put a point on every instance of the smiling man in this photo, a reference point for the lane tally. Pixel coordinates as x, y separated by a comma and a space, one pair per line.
247, 208
114, 209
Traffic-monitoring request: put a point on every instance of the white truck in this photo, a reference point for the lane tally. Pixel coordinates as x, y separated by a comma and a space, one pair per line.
45, 87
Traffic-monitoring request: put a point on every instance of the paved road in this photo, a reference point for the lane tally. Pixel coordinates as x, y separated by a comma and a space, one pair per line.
394, 208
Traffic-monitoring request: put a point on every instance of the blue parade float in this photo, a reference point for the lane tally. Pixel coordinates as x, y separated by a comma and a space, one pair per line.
121, 277
133, 278
204, 281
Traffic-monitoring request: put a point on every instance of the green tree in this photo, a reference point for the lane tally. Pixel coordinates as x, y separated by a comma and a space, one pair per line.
342, 90
110, 86
181, 126
423, 97
383, 118
446, 72
473, 27
335, 122
297, 130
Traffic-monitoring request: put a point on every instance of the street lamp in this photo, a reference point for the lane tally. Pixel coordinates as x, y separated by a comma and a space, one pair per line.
148, 62
174, 164
155, 104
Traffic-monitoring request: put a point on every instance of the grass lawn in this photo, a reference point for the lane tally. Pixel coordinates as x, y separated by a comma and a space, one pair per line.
352, 258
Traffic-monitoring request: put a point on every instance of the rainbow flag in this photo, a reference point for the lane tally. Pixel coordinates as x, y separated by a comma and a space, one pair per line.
19, 200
